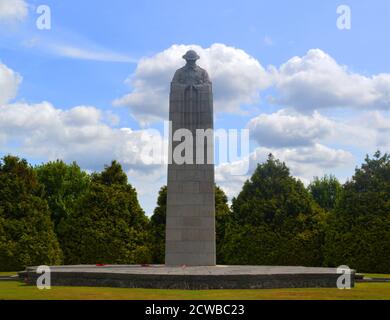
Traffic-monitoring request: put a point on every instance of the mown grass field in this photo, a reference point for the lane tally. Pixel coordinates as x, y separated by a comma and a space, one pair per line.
376, 275
7, 274
12, 290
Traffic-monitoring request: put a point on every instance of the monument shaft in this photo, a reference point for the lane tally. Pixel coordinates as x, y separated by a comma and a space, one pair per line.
190, 226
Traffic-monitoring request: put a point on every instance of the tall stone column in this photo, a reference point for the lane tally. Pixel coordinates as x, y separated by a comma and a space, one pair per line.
190, 226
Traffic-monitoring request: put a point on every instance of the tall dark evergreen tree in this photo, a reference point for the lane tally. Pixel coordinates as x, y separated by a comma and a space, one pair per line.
358, 234
222, 216
274, 221
27, 237
108, 225
158, 223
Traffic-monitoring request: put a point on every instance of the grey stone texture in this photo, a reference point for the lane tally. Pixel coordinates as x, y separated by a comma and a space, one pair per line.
191, 278
190, 228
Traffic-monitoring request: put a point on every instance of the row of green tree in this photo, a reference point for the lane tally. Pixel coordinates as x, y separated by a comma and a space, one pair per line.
56, 213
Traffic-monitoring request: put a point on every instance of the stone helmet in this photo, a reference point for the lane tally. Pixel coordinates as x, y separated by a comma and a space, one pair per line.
191, 55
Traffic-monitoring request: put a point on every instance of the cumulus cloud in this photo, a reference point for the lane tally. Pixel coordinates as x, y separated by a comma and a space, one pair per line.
311, 145
376, 119
367, 131
312, 82
237, 79
375, 129
9, 83
79, 134
286, 128
317, 81
13, 10
304, 163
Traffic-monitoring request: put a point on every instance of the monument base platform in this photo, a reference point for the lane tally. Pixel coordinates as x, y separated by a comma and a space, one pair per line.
190, 278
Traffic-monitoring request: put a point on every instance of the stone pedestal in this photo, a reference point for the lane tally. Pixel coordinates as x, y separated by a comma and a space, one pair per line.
190, 278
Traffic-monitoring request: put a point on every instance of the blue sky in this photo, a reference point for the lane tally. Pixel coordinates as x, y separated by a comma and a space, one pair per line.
141, 28
93, 47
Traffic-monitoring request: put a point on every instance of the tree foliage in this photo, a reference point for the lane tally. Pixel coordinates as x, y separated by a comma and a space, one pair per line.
26, 231
64, 185
108, 225
158, 223
326, 191
358, 233
274, 221
222, 216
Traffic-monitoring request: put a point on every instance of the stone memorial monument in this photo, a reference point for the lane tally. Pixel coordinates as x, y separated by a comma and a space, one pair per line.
190, 228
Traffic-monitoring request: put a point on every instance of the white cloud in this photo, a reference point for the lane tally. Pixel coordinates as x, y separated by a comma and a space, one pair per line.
374, 127
286, 128
317, 81
67, 44
289, 129
303, 142
307, 83
9, 83
237, 79
13, 10
79, 134
377, 120
304, 163
230, 183
94, 54
307, 162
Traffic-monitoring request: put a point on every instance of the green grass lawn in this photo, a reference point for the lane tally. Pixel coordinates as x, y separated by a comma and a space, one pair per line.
6, 274
376, 275
18, 291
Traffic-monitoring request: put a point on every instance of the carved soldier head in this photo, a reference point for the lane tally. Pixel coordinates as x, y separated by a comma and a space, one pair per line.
191, 57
